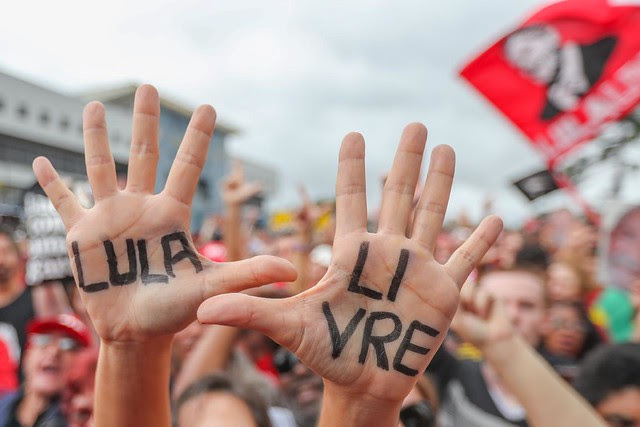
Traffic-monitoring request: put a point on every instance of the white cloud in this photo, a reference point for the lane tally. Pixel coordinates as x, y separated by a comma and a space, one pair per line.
295, 77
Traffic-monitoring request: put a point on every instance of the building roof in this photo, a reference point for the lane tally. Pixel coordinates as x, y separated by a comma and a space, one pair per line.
128, 91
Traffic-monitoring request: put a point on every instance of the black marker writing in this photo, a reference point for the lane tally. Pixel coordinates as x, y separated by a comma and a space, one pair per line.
186, 252
354, 283
115, 277
407, 345
399, 274
146, 277
94, 287
339, 340
378, 341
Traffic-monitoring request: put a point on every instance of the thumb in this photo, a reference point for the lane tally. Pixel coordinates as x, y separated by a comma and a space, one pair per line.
240, 275
276, 318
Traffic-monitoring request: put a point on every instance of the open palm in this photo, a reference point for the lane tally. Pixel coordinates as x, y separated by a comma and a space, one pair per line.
376, 318
132, 253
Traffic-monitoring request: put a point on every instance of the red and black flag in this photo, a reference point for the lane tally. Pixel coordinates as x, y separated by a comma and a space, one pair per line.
564, 73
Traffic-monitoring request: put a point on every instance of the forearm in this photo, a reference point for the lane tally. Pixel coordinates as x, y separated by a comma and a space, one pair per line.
132, 384
547, 399
348, 410
300, 259
233, 236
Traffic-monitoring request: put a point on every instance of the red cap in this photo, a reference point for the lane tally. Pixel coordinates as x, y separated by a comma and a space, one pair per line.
65, 323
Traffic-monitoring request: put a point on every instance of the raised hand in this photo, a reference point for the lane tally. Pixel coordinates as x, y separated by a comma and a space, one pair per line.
132, 253
235, 190
372, 324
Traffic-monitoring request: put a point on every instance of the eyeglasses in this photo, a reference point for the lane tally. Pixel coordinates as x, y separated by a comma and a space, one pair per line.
284, 361
63, 343
566, 324
616, 420
420, 414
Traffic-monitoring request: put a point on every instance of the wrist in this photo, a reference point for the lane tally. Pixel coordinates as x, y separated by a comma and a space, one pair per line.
502, 349
340, 407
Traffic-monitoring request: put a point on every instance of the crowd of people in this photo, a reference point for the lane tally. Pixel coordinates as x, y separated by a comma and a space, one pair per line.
269, 326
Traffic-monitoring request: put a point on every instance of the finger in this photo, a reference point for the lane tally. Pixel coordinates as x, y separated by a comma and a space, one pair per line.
63, 200
143, 158
275, 318
397, 198
351, 198
432, 206
248, 273
192, 154
467, 256
101, 169
238, 171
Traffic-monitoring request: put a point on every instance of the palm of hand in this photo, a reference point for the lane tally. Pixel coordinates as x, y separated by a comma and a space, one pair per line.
392, 317
132, 254
374, 321
144, 290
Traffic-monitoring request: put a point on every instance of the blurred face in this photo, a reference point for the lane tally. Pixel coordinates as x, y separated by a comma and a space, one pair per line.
47, 361
9, 259
535, 52
301, 387
80, 411
215, 409
564, 331
522, 293
564, 283
622, 408
624, 250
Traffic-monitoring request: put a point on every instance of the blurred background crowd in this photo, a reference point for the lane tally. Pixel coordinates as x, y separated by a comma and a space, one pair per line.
567, 272
544, 273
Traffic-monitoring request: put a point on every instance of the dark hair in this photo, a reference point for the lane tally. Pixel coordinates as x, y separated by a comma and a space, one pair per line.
609, 369
222, 383
532, 255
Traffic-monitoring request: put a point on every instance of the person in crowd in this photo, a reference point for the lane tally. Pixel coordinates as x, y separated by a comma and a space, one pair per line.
564, 334
472, 392
216, 400
52, 345
77, 397
546, 400
609, 379
137, 312
19, 304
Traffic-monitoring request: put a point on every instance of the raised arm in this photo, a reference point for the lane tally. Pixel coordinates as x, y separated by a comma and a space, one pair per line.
548, 400
134, 260
373, 322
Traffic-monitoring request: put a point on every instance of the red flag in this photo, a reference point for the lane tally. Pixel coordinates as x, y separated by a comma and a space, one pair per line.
564, 73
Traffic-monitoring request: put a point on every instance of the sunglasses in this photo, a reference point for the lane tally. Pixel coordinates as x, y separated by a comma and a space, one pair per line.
420, 414
63, 343
284, 361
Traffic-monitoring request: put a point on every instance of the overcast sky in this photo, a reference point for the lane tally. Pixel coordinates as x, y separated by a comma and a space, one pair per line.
295, 77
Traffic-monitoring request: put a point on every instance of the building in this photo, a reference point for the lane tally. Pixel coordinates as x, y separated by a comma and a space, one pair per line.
37, 121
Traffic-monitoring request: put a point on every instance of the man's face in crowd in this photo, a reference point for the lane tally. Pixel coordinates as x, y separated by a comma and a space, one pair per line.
564, 331
9, 259
522, 294
47, 361
621, 408
215, 409
624, 250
